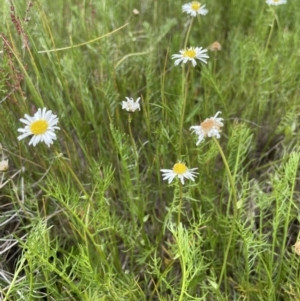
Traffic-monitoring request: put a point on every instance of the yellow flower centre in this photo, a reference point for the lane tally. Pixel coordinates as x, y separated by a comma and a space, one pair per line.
39, 127
195, 5
191, 53
180, 168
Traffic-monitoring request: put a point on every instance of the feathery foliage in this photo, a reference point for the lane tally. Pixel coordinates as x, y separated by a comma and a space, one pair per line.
90, 217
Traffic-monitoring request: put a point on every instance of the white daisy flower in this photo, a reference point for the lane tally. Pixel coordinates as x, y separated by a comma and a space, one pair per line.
191, 54
210, 127
194, 8
275, 2
130, 105
179, 170
42, 126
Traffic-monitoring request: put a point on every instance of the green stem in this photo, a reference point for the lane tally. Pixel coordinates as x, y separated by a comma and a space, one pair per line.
183, 272
229, 176
141, 209
188, 34
235, 211
271, 31
180, 204
15, 278
215, 63
132, 140
183, 89
183, 105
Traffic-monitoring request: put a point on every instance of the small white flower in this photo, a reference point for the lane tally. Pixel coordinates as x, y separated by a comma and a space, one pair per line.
191, 54
42, 126
130, 105
194, 8
3, 165
275, 2
135, 12
210, 127
179, 170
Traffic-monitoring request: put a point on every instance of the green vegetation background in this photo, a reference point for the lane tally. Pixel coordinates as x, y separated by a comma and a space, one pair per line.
90, 218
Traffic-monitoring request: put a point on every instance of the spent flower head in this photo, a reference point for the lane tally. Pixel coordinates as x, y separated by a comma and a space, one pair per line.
41, 126
191, 54
275, 2
130, 105
3, 165
210, 127
193, 8
215, 46
179, 170
297, 247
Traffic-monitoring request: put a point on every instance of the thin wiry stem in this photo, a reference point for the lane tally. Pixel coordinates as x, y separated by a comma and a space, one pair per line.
271, 30
188, 34
230, 177
183, 271
141, 212
132, 140
270, 34
180, 204
183, 105
235, 211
